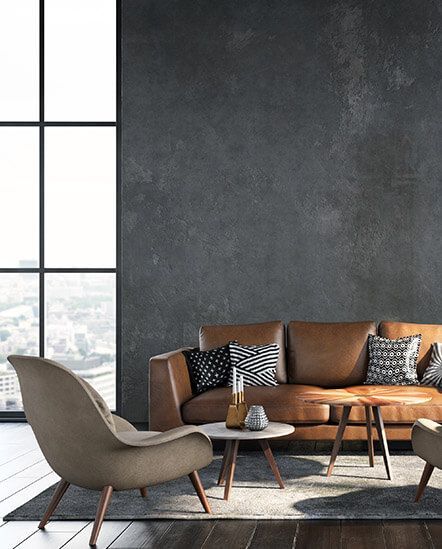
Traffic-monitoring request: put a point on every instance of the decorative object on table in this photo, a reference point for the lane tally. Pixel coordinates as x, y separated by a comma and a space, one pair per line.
393, 361
208, 369
256, 363
372, 398
217, 431
256, 419
237, 410
433, 373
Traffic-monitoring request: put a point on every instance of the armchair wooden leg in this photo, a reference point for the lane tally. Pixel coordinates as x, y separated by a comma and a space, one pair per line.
426, 474
196, 481
105, 498
62, 486
143, 492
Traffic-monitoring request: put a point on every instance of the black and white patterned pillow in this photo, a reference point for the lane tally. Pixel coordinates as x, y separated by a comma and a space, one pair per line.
393, 361
433, 373
208, 369
256, 363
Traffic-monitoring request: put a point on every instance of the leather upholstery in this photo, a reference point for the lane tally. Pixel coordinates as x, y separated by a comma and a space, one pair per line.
403, 413
430, 334
281, 403
247, 334
169, 388
328, 354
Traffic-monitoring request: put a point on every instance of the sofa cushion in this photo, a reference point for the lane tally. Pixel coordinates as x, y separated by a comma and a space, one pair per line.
430, 334
408, 413
328, 354
281, 403
247, 334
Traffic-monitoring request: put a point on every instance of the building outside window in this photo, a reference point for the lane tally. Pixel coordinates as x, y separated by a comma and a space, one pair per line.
58, 189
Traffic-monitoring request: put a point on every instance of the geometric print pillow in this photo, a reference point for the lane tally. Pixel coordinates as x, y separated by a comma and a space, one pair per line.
433, 373
208, 369
256, 363
393, 361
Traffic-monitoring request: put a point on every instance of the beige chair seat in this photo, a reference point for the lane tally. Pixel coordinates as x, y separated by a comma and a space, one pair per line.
399, 414
281, 403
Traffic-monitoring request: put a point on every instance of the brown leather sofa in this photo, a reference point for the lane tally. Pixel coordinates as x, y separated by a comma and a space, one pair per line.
312, 355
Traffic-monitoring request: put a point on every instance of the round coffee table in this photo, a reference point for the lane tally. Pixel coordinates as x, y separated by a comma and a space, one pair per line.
372, 398
219, 431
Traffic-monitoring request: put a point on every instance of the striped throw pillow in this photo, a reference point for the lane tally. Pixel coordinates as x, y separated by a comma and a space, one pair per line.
256, 363
433, 373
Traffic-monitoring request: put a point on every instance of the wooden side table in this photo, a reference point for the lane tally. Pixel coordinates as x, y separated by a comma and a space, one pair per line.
219, 431
372, 398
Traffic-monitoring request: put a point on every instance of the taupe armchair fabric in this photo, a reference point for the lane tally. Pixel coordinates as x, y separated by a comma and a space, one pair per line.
427, 444
88, 446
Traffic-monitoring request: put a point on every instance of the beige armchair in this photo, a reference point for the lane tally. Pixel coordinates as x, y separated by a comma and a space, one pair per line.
89, 447
427, 444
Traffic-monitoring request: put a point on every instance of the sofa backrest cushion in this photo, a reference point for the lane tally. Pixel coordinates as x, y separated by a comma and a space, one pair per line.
328, 354
431, 333
247, 334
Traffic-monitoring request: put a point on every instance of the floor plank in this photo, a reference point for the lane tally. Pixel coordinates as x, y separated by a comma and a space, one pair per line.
277, 533
142, 534
13, 533
406, 534
434, 528
228, 533
109, 532
320, 534
21, 497
187, 533
362, 534
20, 464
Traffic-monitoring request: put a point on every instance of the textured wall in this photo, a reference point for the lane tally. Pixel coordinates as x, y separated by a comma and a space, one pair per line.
281, 160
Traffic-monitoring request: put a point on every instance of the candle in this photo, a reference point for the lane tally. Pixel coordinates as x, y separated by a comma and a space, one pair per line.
241, 383
234, 381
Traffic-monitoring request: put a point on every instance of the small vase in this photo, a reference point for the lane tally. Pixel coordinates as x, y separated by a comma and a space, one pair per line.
256, 419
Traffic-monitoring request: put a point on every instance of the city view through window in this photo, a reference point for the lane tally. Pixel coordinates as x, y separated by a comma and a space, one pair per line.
58, 180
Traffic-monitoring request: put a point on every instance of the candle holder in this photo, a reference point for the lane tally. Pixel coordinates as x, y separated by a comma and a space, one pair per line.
237, 410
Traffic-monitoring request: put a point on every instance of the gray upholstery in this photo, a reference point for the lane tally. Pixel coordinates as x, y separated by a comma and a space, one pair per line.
427, 441
90, 447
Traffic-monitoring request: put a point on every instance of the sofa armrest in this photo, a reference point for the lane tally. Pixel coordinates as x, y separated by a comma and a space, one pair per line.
169, 389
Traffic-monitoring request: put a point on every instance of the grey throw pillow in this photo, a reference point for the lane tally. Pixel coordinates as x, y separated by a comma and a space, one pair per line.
393, 361
433, 373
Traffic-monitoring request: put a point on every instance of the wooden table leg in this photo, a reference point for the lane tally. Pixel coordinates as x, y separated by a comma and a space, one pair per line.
231, 468
382, 439
342, 424
270, 458
226, 456
370, 444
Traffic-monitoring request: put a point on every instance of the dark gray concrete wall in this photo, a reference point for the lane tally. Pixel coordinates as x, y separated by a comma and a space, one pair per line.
281, 160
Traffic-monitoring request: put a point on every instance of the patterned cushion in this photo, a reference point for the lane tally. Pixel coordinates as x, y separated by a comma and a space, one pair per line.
433, 373
208, 369
393, 361
257, 363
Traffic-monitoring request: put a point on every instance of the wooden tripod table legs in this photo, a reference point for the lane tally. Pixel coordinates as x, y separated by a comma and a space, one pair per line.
229, 463
381, 435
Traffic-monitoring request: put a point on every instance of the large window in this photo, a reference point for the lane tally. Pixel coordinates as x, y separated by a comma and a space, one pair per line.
59, 162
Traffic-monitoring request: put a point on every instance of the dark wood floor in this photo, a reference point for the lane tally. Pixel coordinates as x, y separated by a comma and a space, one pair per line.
24, 473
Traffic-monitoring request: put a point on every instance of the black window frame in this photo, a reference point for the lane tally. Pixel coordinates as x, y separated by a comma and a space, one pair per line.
41, 270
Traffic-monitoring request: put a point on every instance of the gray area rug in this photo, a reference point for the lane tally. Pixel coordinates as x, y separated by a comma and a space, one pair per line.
354, 491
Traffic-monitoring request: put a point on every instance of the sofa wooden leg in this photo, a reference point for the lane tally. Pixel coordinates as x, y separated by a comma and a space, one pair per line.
426, 474
105, 498
62, 486
143, 492
196, 481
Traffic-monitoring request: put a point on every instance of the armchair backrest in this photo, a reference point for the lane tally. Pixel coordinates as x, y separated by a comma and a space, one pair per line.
66, 419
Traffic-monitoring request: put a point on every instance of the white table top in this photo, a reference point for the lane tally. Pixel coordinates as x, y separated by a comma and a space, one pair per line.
219, 431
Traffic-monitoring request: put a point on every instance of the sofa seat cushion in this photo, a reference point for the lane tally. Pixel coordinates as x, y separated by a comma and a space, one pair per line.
281, 403
408, 413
